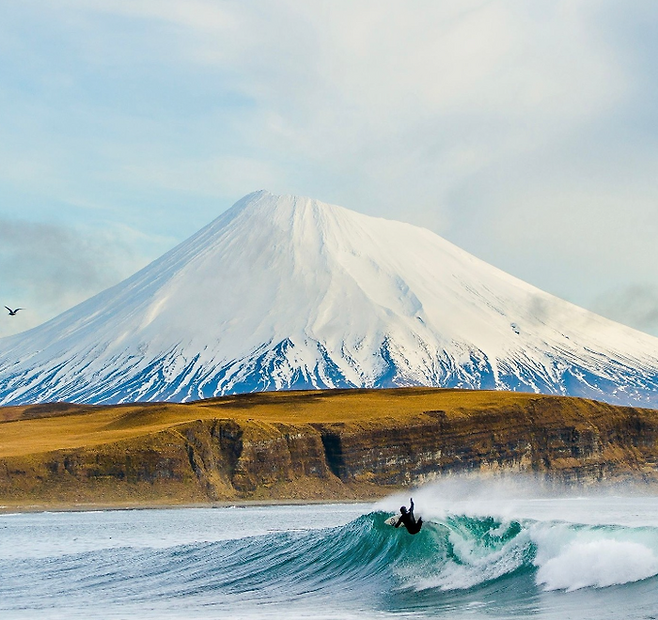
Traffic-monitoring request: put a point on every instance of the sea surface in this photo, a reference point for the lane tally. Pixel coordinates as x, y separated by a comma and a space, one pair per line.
485, 552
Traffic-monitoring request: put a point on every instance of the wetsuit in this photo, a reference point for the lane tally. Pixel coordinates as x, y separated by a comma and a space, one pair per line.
409, 521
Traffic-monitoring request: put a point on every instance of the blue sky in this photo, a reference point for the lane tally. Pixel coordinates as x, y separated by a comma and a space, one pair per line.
523, 131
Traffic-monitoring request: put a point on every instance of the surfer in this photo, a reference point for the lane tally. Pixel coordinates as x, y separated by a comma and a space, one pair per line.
408, 520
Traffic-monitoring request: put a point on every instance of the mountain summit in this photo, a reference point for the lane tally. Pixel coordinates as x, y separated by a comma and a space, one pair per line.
284, 292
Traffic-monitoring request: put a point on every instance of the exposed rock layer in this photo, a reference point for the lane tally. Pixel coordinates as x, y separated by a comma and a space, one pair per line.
295, 446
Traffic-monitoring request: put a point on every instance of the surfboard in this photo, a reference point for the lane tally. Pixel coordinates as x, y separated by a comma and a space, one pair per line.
394, 519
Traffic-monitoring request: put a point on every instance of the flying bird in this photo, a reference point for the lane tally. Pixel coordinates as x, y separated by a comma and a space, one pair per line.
13, 312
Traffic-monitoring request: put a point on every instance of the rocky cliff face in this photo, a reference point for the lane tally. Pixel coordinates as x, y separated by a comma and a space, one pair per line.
228, 458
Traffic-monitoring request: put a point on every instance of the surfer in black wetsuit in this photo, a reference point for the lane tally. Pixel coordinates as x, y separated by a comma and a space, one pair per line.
408, 520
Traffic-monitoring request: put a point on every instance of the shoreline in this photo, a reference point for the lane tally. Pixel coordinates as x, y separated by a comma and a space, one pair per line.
7, 509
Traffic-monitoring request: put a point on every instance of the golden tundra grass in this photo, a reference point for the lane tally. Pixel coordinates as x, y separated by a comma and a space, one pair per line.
64, 427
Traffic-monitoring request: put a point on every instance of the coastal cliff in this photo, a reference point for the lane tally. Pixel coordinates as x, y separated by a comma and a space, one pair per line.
335, 444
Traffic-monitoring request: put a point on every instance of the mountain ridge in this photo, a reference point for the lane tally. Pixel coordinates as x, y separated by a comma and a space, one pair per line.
286, 292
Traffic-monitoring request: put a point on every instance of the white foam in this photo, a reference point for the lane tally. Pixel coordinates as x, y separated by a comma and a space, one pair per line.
598, 564
475, 564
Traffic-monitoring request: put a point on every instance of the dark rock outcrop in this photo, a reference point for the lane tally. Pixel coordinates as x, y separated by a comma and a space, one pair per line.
227, 458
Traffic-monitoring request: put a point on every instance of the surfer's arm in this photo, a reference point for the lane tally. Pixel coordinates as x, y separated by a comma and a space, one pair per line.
411, 508
398, 523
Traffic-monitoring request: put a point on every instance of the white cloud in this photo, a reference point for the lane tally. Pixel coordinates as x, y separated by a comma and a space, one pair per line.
216, 176
194, 14
47, 268
635, 305
519, 130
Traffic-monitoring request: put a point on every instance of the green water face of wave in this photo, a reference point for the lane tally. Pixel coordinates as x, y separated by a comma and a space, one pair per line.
455, 553
451, 555
456, 567
460, 553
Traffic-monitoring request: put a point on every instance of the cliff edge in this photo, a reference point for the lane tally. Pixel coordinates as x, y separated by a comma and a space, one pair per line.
335, 444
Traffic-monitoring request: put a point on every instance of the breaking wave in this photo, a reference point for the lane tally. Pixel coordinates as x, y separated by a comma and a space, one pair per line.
365, 560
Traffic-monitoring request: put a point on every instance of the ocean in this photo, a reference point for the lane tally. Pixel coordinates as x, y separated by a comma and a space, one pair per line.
487, 550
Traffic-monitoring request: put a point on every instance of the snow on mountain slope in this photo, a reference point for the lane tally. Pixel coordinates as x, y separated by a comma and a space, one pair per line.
286, 292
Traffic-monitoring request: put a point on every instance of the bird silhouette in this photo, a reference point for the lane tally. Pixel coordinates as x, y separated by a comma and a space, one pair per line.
13, 312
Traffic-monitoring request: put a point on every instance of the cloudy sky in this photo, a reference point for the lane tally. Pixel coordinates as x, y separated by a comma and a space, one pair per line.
524, 131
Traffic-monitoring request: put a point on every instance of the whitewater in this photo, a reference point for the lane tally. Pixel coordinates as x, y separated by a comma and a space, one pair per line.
486, 551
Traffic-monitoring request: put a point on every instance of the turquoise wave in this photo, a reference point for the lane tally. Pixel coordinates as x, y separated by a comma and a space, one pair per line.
454, 561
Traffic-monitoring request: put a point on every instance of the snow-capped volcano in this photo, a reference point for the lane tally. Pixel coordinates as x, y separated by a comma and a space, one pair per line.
285, 292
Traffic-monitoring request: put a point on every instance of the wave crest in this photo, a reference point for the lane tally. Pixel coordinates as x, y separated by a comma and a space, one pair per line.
460, 552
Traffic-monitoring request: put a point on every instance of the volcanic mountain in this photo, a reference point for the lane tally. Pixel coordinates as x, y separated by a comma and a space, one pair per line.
284, 292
